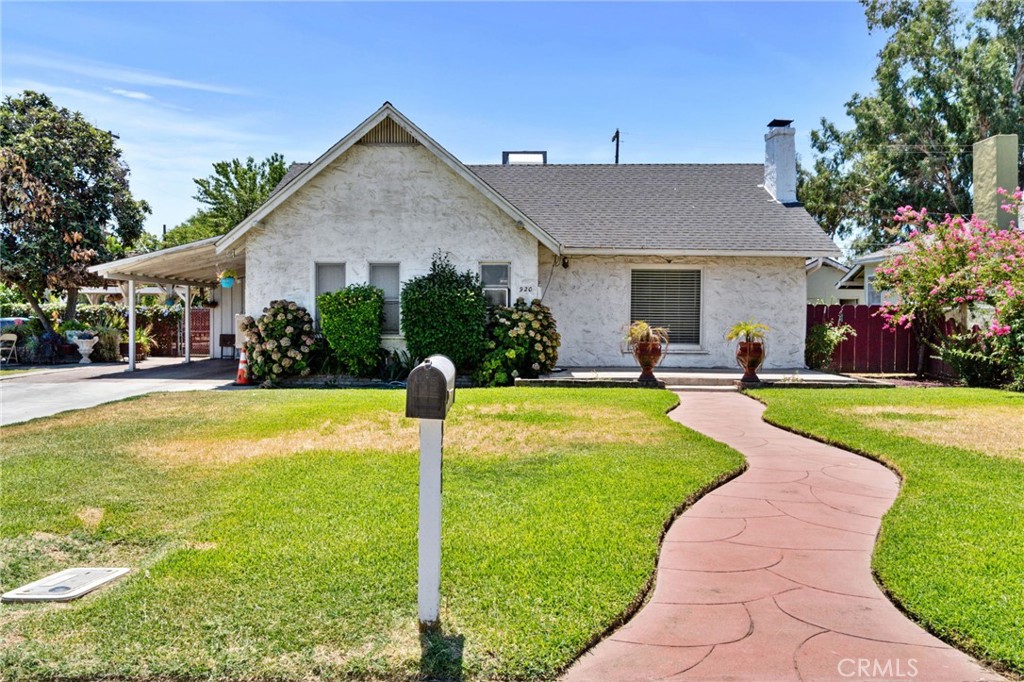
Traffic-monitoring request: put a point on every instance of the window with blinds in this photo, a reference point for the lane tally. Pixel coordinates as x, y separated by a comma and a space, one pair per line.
670, 299
386, 276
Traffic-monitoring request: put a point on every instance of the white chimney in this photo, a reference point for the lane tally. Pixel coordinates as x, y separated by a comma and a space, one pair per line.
780, 161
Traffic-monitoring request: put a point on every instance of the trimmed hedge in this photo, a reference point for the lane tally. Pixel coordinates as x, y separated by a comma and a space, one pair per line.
350, 320
445, 312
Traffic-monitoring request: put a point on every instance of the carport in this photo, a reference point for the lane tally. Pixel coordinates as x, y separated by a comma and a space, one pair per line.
176, 270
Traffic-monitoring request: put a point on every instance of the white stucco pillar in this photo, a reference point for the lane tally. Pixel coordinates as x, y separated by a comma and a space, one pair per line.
188, 324
131, 325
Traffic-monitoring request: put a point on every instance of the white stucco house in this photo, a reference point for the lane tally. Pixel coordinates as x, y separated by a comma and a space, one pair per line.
693, 247
823, 277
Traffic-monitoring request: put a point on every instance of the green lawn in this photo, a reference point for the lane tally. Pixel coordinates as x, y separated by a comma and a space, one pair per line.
273, 533
951, 550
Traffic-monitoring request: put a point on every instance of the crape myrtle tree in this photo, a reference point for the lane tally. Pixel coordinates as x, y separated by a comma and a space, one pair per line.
964, 271
52, 152
943, 81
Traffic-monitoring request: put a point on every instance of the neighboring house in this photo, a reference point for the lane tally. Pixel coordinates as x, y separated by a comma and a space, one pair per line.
693, 247
860, 280
823, 276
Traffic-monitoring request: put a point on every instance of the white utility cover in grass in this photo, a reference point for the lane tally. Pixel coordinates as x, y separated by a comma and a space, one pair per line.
66, 585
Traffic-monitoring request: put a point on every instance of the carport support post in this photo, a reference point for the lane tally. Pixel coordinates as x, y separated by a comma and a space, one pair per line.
188, 324
131, 325
431, 435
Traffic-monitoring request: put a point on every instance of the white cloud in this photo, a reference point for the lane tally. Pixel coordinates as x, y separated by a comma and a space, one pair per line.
117, 74
129, 94
164, 145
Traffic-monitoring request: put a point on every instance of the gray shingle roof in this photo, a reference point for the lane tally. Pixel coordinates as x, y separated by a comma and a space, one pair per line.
288, 176
658, 207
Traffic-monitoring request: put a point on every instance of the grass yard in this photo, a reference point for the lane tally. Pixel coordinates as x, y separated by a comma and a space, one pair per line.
952, 547
273, 533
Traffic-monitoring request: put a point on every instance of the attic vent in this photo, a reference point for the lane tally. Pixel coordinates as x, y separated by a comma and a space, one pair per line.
388, 132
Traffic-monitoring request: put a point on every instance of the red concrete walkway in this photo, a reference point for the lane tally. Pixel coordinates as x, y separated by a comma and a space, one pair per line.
768, 578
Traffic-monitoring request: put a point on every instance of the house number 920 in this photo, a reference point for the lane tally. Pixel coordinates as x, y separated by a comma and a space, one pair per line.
528, 289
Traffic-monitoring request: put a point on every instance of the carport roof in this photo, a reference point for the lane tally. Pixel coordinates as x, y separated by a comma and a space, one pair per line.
194, 264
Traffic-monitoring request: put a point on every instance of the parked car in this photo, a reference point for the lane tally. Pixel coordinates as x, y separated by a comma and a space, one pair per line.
12, 321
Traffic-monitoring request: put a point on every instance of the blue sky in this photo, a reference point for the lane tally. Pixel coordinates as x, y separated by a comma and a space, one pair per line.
188, 84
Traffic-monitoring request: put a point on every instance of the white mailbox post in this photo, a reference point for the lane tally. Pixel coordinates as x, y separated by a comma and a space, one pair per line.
429, 395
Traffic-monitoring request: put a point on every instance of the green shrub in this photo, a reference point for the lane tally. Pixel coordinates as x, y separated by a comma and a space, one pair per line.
822, 341
350, 320
108, 348
279, 343
445, 312
523, 343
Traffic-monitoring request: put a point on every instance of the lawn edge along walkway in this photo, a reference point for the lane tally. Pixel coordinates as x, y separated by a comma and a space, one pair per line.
768, 577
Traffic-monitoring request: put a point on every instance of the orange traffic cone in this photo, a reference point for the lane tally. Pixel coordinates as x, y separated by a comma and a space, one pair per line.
242, 379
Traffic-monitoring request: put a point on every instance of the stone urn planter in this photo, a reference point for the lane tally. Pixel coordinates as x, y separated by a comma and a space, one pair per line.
750, 349
648, 345
85, 346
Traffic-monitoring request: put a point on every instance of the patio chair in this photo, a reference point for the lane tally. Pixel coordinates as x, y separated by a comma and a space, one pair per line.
8, 347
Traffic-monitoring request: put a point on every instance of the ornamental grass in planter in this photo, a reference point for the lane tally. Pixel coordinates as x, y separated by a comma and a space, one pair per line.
750, 349
648, 345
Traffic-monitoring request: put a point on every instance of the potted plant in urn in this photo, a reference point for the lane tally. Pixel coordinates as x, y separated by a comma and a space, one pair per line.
648, 345
227, 278
750, 349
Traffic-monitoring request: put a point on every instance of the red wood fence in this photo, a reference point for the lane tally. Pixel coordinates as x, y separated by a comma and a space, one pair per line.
874, 349
200, 324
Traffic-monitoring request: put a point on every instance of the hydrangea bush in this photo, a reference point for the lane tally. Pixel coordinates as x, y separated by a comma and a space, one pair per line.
523, 342
280, 342
961, 269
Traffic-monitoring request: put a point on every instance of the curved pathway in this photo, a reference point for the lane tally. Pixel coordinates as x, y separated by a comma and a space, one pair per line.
768, 578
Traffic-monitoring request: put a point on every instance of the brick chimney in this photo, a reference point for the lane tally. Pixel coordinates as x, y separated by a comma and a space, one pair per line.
995, 166
780, 161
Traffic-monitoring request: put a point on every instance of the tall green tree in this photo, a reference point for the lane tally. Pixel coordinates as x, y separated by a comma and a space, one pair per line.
82, 172
943, 82
236, 189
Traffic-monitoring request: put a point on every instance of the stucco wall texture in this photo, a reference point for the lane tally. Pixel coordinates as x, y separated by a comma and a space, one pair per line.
591, 299
400, 203
380, 204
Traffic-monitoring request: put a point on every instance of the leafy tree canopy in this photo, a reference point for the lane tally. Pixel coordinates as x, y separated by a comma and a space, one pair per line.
944, 81
50, 242
235, 190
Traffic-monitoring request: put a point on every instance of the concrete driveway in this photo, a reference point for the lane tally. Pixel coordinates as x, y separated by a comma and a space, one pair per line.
42, 393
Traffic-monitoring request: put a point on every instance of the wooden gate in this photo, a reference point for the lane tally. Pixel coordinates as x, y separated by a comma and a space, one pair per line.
874, 349
200, 323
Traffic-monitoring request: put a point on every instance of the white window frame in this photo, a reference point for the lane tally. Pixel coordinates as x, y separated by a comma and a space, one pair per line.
508, 290
369, 266
673, 348
312, 285
873, 295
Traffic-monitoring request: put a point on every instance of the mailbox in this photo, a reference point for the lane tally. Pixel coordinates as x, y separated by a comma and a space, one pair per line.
430, 388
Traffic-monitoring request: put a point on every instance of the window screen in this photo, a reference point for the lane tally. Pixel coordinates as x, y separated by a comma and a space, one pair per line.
385, 276
495, 279
670, 299
329, 277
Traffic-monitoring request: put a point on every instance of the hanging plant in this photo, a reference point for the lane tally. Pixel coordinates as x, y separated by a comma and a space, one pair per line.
227, 278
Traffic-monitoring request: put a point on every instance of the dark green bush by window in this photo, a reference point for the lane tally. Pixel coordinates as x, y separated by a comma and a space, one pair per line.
350, 320
445, 312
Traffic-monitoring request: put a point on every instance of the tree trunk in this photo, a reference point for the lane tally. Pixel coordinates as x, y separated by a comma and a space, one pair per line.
36, 308
72, 305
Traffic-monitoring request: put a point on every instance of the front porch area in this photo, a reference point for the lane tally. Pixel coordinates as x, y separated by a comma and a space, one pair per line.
720, 378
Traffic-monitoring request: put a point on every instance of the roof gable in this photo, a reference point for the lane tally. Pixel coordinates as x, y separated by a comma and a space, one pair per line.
385, 126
